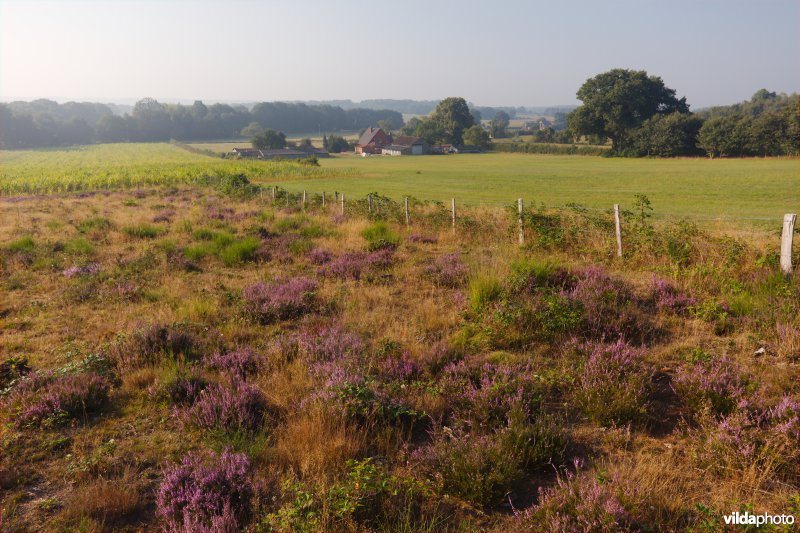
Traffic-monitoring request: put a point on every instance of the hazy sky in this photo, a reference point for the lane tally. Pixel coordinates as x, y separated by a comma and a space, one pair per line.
490, 52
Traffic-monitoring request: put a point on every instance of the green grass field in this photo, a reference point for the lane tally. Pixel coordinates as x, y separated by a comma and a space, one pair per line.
735, 189
113, 166
697, 188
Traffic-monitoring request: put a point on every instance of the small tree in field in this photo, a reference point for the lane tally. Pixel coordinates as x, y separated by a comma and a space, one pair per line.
269, 139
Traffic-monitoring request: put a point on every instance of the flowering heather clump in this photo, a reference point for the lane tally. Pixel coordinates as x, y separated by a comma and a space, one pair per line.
318, 256
402, 368
206, 495
165, 215
447, 270
612, 386
280, 300
577, 503
421, 239
610, 309
238, 407
718, 381
47, 395
769, 438
330, 343
239, 363
666, 296
355, 265
184, 389
148, 344
87, 270
220, 213
483, 395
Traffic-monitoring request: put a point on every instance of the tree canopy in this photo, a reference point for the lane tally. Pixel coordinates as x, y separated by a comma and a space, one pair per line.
617, 102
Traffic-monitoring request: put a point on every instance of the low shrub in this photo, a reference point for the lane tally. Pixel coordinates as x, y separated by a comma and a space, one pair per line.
149, 344
716, 382
612, 386
482, 394
233, 408
766, 438
12, 369
580, 502
359, 265
447, 270
368, 498
280, 300
52, 398
239, 363
211, 493
330, 343
483, 469
89, 269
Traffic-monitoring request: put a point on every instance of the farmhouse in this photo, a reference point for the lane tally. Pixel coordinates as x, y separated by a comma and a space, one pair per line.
406, 145
372, 141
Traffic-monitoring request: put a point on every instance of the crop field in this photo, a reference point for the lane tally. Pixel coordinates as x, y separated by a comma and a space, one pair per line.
185, 355
695, 188
129, 165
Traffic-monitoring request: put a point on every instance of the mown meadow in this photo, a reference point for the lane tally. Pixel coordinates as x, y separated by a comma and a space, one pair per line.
193, 356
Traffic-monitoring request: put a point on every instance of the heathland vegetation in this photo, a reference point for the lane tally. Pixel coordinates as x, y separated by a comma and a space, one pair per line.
192, 357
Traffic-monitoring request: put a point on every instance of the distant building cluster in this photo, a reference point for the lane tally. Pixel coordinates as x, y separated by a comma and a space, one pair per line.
300, 152
375, 141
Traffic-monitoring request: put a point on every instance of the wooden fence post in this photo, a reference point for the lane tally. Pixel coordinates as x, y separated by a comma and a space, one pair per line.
335, 196
342, 204
304, 199
261, 192
786, 242
619, 230
369, 201
521, 232
408, 220
323, 198
454, 215
273, 194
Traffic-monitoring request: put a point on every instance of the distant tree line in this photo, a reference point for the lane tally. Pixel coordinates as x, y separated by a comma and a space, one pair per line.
643, 117
43, 123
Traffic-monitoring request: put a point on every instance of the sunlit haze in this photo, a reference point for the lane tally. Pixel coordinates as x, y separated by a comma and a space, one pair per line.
491, 53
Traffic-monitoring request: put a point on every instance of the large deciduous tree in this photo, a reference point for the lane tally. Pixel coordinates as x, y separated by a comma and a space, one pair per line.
617, 102
450, 118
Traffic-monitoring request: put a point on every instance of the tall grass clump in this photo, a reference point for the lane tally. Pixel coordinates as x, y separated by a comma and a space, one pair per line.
380, 236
